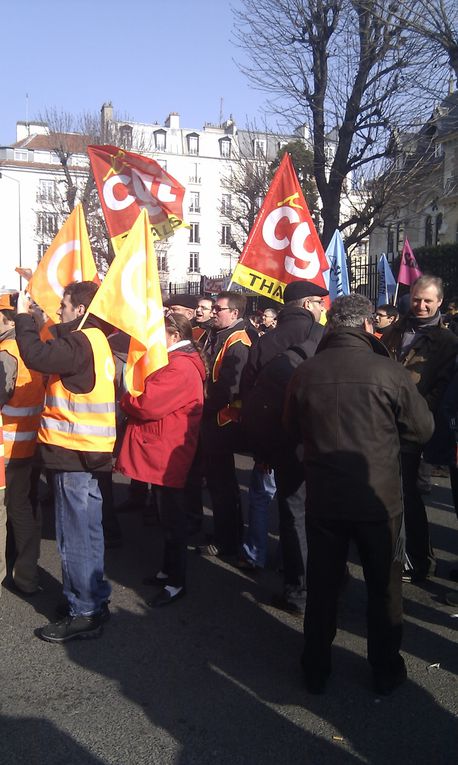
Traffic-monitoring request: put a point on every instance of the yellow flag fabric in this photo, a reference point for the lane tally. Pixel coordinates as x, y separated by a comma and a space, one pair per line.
130, 299
68, 259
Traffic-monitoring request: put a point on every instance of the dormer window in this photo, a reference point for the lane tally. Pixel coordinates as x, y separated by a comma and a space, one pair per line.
193, 143
259, 148
160, 139
225, 147
125, 134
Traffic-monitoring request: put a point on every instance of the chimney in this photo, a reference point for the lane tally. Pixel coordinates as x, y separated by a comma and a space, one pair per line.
106, 117
173, 121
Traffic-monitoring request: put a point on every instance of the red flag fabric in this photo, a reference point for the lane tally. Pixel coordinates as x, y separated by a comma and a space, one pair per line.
283, 245
128, 183
408, 270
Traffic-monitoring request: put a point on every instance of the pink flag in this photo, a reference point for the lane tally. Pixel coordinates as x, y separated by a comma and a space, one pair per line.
408, 270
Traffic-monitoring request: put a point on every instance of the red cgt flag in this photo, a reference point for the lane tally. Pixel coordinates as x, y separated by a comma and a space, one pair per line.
283, 245
128, 183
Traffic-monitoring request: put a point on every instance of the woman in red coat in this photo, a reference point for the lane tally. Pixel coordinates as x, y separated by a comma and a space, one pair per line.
160, 443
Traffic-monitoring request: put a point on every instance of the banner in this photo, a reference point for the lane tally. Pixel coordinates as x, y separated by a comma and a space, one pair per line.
408, 270
337, 276
283, 245
216, 284
129, 298
68, 259
386, 281
128, 183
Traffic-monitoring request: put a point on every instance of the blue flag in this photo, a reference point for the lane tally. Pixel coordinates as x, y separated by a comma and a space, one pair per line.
386, 281
337, 276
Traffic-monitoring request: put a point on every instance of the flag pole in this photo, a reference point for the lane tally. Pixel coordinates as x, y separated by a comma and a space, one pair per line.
396, 294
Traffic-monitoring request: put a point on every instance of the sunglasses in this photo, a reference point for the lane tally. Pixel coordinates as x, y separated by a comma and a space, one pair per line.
219, 308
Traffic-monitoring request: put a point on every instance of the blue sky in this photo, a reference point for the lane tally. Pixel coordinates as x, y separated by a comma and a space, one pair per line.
149, 57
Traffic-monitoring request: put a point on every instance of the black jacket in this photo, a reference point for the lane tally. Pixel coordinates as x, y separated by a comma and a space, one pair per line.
352, 407
293, 328
225, 390
70, 356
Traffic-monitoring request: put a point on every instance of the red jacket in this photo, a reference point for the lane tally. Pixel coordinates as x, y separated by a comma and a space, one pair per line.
163, 423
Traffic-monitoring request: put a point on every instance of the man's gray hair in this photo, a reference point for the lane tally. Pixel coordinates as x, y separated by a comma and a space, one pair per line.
349, 311
428, 280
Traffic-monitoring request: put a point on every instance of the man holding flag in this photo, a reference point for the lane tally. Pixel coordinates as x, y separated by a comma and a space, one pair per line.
76, 439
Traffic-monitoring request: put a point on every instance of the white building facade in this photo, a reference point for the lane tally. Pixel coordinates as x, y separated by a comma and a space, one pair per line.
32, 181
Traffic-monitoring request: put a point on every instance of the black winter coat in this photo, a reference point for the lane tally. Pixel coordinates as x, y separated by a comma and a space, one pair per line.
352, 407
293, 328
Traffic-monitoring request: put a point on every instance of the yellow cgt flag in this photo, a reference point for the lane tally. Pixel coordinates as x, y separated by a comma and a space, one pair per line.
68, 259
130, 299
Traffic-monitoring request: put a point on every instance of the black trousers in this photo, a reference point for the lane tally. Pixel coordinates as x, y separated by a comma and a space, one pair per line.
380, 546
289, 479
418, 545
226, 503
171, 507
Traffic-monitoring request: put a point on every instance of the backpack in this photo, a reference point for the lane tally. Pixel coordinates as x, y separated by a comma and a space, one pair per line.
262, 406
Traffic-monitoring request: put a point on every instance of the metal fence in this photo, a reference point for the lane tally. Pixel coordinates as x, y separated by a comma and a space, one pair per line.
363, 277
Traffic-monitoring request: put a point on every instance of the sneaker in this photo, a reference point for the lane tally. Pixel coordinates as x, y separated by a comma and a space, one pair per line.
213, 551
159, 579
71, 628
63, 610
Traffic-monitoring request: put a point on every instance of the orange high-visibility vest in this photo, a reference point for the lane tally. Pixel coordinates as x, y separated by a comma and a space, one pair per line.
83, 421
231, 412
2, 458
21, 415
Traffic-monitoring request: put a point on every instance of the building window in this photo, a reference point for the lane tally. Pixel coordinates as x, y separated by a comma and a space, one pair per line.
125, 134
162, 264
41, 251
390, 241
194, 176
160, 140
439, 219
428, 231
21, 154
226, 204
46, 225
226, 237
47, 190
399, 237
194, 205
225, 147
194, 267
193, 143
259, 148
194, 233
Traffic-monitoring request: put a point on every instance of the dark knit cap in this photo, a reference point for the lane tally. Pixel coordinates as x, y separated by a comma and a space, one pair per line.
185, 300
302, 289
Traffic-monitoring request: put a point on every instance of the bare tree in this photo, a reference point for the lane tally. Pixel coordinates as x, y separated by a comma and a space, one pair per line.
435, 21
355, 67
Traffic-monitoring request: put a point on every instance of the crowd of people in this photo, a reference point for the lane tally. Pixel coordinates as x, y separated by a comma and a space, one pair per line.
339, 417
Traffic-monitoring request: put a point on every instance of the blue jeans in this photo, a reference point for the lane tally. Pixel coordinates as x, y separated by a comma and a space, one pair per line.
260, 494
79, 536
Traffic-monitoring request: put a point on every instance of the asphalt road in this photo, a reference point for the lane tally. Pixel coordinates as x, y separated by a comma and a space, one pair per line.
215, 677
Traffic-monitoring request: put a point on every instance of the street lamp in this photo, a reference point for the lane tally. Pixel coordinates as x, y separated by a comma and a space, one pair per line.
15, 180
